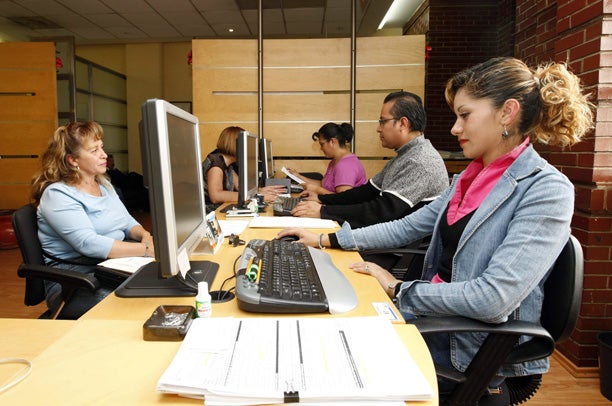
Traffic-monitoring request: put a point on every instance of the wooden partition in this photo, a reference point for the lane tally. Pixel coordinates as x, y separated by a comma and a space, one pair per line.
28, 115
306, 83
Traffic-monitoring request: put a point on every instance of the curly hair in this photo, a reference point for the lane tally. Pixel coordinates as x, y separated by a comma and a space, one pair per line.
554, 108
66, 140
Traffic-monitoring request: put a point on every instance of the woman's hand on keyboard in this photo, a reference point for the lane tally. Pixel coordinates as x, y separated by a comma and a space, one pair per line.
310, 196
271, 192
307, 209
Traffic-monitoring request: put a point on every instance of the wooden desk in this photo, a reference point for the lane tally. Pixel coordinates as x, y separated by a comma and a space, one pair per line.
107, 362
21, 338
102, 358
367, 288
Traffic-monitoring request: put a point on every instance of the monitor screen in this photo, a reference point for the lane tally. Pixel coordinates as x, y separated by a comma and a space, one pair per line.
172, 170
266, 160
247, 157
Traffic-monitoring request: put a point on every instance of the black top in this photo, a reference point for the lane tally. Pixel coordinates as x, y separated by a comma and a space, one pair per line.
215, 159
450, 235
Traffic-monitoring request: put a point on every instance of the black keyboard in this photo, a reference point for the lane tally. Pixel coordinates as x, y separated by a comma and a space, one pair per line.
283, 205
287, 280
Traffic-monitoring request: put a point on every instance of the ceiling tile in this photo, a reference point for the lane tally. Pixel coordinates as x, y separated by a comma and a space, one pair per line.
172, 5
209, 5
10, 9
86, 6
128, 6
180, 18
299, 15
43, 7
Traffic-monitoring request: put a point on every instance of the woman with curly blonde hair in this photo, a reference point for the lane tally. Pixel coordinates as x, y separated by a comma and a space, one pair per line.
81, 219
498, 229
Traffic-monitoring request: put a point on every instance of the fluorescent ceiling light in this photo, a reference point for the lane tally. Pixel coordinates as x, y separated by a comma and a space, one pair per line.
393, 9
399, 13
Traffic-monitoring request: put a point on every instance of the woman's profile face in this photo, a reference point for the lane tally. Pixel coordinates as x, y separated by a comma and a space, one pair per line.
326, 146
92, 158
477, 127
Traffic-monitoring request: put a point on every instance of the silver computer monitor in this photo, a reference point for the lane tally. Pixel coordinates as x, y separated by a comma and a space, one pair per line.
172, 171
247, 157
266, 160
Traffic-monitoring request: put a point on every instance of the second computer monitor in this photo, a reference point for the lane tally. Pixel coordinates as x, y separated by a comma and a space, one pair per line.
266, 160
247, 157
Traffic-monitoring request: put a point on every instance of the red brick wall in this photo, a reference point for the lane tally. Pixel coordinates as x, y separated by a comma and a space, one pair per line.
461, 33
571, 31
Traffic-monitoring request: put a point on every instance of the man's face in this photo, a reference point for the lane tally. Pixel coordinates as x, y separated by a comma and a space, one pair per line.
389, 128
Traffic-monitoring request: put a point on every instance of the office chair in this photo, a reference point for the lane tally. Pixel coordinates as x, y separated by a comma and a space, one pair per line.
562, 298
34, 270
405, 263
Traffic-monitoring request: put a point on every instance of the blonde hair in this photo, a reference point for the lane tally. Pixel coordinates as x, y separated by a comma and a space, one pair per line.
66, 140
554, 109
226, 144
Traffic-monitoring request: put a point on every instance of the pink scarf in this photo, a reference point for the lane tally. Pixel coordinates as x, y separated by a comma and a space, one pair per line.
477, 181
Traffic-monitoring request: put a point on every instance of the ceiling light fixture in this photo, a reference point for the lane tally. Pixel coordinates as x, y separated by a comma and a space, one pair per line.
231, 30
393, 8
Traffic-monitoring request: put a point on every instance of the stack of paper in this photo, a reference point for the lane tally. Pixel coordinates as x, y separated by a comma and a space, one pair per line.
265, 360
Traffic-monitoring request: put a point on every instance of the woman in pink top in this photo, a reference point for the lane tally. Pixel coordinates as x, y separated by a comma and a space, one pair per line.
344, 171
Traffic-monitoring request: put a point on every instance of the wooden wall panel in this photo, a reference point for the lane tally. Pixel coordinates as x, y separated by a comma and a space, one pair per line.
306, 83
18, 170
20, 138
28, 115
313, 79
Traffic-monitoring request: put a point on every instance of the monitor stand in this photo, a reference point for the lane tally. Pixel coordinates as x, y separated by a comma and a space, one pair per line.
148, 282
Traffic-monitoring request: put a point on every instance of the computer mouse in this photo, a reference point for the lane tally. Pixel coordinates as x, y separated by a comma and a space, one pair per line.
289, 238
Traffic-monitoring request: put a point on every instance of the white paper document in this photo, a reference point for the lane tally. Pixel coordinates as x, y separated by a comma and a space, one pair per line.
229, 227
319, 360
127, 264
292, 176
287, 221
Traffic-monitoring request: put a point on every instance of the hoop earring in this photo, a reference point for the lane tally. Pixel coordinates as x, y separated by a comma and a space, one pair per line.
505, 134
76, 168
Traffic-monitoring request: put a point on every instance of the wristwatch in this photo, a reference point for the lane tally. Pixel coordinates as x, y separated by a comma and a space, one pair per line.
394, 286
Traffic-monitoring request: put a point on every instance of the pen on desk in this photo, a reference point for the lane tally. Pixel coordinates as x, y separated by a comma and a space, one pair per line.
252, 271
229, 366
277, 344
248, 267
351, 360
258, 271
299, 338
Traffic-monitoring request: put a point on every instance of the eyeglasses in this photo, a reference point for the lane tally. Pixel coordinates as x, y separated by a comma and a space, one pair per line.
382, 121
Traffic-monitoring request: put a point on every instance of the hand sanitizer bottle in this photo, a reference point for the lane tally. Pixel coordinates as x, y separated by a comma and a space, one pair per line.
203, 301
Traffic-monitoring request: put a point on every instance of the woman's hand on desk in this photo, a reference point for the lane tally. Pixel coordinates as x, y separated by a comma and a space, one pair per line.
384, 277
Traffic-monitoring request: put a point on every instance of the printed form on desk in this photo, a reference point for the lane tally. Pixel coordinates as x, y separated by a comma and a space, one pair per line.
311, 360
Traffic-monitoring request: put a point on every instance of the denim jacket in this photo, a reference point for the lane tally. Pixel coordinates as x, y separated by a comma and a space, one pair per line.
502, 259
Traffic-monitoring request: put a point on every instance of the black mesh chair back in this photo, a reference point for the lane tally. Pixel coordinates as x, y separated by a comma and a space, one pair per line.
26, 231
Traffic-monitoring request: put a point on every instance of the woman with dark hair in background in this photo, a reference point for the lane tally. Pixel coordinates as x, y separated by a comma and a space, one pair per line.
344, 171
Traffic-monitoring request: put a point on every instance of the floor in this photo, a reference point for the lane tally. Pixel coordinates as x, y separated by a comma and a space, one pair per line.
559, 386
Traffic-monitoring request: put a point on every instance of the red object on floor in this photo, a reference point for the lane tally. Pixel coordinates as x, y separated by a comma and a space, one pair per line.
7, 233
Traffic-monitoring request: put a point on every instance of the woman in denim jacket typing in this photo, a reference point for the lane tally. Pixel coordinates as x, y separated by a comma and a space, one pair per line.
498, 229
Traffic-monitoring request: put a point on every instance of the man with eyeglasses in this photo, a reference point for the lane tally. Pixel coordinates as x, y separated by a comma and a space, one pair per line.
413, 178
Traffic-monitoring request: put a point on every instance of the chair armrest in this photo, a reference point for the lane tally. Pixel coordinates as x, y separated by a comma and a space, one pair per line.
540, 345
396, 251
62, 276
